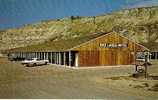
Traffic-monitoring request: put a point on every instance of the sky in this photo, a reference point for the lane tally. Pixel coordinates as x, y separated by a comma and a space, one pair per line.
16, 13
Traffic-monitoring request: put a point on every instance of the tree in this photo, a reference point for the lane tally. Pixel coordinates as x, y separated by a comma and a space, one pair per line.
72, 18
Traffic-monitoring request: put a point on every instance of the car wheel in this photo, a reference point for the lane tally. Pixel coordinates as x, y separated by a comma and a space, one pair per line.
34, 64
27, 65
46, 63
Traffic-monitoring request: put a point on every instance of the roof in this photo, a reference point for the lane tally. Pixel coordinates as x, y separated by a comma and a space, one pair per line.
62, 45
59, 45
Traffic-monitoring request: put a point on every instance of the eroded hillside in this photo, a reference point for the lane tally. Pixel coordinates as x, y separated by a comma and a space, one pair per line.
139, 24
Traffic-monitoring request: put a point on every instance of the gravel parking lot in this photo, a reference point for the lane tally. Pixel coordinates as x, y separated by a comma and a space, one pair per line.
48, 81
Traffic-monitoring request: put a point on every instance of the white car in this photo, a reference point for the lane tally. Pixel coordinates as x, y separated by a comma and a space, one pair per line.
34, 62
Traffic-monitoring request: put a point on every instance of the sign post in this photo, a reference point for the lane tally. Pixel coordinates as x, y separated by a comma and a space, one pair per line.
146, 63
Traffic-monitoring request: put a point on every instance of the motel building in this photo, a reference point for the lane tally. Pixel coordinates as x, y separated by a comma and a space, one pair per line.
104, 49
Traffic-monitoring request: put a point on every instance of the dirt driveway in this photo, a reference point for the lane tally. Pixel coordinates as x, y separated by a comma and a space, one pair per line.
17, 81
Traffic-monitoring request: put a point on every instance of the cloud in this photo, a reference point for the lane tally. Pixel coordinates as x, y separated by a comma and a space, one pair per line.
143, 3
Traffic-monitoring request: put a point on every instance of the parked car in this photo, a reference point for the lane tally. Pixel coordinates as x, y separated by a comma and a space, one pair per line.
34, 62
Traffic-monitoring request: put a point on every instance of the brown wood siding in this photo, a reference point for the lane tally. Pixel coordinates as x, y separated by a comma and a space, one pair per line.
91, 54
88, 58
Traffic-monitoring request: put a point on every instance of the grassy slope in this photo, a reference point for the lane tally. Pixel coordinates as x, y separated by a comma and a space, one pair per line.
127, 22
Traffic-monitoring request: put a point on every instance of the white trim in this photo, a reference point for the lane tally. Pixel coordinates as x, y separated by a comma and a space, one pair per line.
106, 35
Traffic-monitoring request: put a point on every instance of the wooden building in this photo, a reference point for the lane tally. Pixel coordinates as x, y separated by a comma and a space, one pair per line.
95, 50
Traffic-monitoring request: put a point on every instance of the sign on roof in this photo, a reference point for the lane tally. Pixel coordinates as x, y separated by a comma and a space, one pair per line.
113, 45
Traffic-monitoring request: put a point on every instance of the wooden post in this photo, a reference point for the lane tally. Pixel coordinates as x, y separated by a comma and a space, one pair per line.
146, 66
64, 58
27, 55
54, 57
70, 58
36, 55
47, 56
22, 55
136, 68
51, 57
59, 58
44, 56
39, 55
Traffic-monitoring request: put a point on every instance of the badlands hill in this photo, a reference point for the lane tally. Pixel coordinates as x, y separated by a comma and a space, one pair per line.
139, 24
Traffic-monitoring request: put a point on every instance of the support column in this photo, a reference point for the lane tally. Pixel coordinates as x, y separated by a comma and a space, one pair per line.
19, 54
41, 55
70, 58
47, 55
44, 56
35, 54
28, 55
64, 58
38, 55
54, 58
51, 57
59, 58
155, 55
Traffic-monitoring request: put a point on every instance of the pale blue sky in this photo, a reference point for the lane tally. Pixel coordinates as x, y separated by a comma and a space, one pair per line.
16, 13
